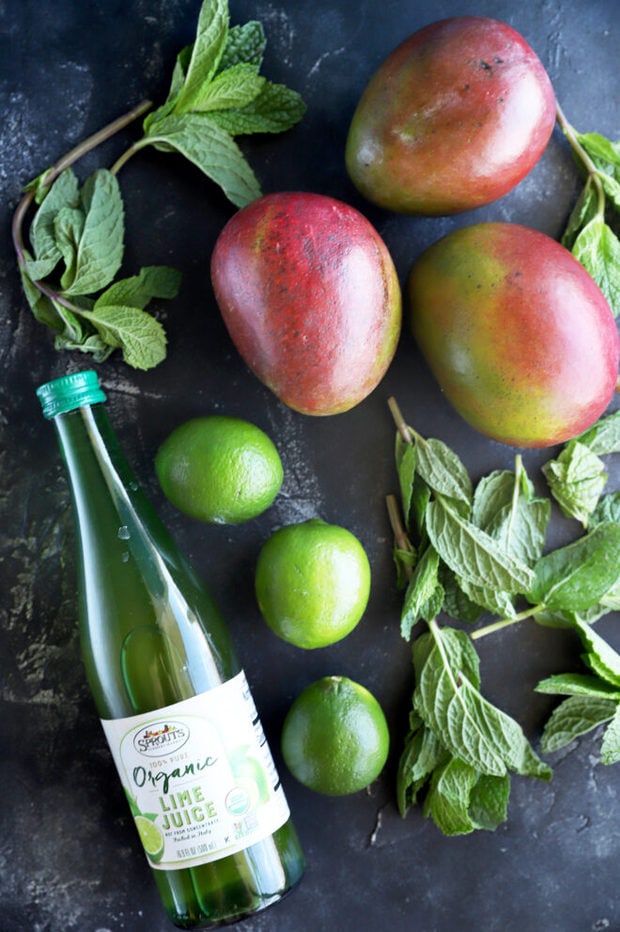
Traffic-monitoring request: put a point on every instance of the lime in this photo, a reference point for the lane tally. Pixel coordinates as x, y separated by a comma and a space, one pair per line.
152, 839
223, 470
312, 583
335, 738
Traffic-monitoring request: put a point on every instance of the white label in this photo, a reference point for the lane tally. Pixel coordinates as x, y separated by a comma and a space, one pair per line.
199, 775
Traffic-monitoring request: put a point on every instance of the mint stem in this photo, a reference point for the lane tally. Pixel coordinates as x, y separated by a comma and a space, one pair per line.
505, 622
401, 540
124, 158
593, 174
399, 420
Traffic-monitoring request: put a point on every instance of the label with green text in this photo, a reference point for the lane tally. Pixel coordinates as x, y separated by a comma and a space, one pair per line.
199, 776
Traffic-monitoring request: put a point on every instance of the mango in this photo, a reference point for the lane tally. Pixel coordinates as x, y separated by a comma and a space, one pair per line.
454, 118
310, 297
518, 335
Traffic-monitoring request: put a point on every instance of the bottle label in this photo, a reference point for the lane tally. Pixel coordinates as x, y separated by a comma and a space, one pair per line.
199, 775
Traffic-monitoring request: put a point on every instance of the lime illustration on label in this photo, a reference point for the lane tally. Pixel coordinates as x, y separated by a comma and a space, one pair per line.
151, 837
199, 776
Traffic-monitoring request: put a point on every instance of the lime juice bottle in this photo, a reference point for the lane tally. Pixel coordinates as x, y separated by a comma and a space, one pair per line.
173, 700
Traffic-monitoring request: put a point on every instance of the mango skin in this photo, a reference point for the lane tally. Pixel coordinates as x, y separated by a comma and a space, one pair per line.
454, 118
310, 297
518, 335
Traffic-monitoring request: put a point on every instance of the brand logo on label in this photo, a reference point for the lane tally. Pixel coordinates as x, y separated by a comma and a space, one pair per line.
160, 738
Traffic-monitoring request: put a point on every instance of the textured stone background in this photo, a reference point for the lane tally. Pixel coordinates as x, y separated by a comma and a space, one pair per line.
69, 861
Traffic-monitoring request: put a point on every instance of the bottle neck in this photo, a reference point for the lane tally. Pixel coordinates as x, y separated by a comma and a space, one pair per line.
93, 457
137, 590
110, 506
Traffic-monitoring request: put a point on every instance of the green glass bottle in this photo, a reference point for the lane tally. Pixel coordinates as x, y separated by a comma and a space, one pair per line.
174, 703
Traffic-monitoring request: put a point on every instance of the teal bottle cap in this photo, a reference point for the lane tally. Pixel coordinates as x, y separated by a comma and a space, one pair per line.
70, 392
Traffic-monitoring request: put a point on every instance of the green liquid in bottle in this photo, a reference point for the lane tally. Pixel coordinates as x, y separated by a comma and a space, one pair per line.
152, 638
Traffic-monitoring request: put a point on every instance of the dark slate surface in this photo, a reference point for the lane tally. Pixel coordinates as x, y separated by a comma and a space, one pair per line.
69, 861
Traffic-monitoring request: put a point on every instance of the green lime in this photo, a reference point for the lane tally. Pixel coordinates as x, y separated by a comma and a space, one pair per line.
152, 839
312, 583
222, 470
335, 738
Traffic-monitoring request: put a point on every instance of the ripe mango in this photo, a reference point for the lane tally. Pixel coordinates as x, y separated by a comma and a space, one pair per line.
454, 118
310, 297
518, 335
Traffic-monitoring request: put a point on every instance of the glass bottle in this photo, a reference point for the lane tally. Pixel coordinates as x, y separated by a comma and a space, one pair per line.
173, 700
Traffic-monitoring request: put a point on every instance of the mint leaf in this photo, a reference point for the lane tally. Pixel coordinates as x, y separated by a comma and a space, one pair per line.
456, 603
153, 281
206, 52
600, 656
585, 209
236, 87
610, 746
492, 493
275, 109
604, 153
443, 471
472, 553
447, 801
98, 240
90, 343
508, 509
63, 193
74, 332
141, 338
598, 249
593, 699
576, 480
574, 578
460, 800
424, 595
39, 269
212, 150
488, 804
574, 717
608, 509
414, 492
68, 229
405, 457
604, 436
245, 43
40, 304
422, 753
610, 602
493, 600
578, 684
448, 700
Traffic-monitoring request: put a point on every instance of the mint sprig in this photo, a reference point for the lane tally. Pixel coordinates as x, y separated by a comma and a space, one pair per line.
593, 699
77, 240
589, 232
461, 749
466, 551
68, 268
577, 477
217, 94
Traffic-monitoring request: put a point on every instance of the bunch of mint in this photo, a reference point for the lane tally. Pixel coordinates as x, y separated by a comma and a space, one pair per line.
467, 552
77, 235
